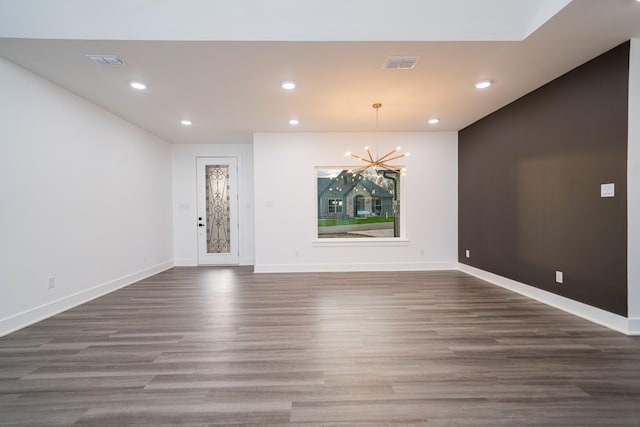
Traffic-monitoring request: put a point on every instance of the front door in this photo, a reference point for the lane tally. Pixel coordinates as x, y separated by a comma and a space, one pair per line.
217, 210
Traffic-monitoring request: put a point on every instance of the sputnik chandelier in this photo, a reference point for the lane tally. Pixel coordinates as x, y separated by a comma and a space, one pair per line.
380, 163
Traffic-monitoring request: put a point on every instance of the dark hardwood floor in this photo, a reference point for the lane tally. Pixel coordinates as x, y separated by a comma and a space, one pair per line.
224, 346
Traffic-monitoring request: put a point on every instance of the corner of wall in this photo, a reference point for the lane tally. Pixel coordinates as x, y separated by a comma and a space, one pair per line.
593, 314
21, 320
634, 326
633, 188
97, 233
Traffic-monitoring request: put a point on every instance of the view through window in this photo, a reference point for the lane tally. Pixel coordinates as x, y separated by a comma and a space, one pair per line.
358, 205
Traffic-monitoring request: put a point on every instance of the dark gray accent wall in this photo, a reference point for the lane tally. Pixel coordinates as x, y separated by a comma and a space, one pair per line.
529, 186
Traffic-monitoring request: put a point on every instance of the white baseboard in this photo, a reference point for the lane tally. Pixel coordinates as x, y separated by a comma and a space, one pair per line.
321, 268
185, 262
188, 262
36, 314
634, 326
246, 261
596, 315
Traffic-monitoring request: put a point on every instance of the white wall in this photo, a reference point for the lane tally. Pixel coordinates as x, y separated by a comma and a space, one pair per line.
633, 190
185, 214
285, 202
86, 199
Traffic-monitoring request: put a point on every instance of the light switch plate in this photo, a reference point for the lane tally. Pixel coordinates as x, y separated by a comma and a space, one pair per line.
608, 190
559, 277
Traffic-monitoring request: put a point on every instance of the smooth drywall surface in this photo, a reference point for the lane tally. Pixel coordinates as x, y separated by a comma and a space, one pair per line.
286, 213
86, 199
185, 203
633, 188
530, 178
279, 20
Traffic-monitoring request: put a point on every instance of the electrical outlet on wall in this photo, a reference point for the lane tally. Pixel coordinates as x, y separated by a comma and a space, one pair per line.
608, 190
559, 277
467, 253
51, 282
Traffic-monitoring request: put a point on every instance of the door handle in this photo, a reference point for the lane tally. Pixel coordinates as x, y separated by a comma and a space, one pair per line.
200, 225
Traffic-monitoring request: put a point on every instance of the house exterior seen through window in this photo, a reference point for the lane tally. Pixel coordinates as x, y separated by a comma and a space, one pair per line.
357, 205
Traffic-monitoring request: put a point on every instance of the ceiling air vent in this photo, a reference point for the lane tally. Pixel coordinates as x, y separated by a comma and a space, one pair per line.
401, 62
107, 60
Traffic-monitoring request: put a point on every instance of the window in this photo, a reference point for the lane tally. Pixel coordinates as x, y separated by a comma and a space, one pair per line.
357, 205
335, 206
377, 205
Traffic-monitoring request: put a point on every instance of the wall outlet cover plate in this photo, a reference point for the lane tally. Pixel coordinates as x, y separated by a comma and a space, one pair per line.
608, 190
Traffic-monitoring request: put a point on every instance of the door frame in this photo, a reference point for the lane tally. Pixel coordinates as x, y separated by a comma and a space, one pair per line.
233, 257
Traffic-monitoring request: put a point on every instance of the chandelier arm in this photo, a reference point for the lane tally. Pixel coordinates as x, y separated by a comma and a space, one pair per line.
370, 156
355, 156
381, 159
396, 157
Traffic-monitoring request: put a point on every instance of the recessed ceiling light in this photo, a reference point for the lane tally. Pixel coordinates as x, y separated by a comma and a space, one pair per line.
288, 85
186, 122
294, 122
483, 84
138, 85
434, 121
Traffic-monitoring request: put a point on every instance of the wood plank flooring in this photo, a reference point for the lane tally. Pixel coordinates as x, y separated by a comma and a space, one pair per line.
224, 346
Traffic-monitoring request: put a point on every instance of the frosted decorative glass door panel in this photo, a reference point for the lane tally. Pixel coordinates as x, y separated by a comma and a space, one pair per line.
217, 211
217, 201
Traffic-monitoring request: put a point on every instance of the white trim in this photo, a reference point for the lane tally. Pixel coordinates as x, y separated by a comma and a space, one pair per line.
634, 326
633, 188
612, 321
402, 207
247, 261
321, 268
185, 262
360, 242
204, 257
36, 314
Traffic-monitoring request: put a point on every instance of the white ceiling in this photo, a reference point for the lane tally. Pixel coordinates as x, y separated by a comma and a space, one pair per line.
220, 64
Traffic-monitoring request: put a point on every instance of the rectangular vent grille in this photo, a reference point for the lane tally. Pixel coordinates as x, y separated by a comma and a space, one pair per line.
401, 62
107, 60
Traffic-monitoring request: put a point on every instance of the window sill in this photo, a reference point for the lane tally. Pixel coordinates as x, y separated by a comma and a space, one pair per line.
360, 242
